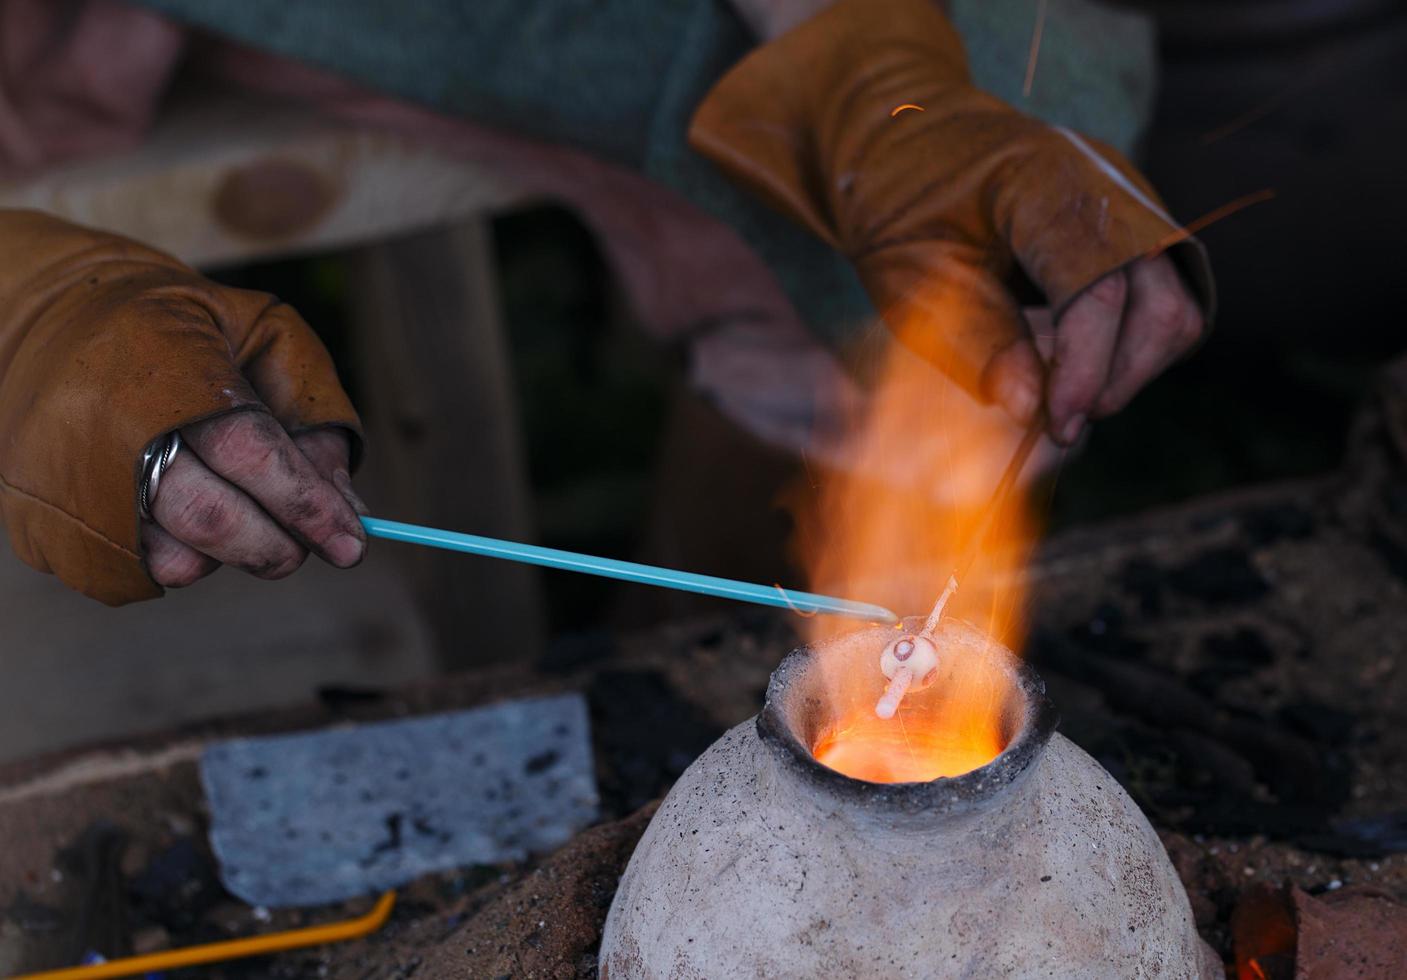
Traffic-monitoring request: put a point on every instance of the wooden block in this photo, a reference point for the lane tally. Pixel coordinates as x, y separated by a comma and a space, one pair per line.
76, 671
225, 178
444, 447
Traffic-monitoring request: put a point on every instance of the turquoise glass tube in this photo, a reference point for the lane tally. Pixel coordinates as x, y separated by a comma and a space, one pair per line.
627, 571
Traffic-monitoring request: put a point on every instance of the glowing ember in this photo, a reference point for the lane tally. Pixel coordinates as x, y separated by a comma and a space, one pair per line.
960, 718
879, 752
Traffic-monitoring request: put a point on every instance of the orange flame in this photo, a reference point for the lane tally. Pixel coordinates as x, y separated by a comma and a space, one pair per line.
951, 726
922, 460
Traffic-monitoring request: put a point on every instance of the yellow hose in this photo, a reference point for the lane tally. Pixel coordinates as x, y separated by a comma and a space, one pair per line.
232, 949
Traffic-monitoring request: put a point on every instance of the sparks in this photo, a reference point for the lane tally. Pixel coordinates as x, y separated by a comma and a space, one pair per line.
900, 108
1035, 49
791, 606
1211, 217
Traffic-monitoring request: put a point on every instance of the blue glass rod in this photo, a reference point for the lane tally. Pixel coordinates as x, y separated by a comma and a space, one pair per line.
628, 571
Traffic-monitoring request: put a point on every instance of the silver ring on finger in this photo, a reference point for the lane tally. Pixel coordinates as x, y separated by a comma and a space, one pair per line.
155, 460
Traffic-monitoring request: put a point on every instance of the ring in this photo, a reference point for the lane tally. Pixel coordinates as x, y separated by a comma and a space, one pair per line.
155, 459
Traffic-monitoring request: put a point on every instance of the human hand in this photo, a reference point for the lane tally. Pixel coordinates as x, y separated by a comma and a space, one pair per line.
863, 124
242, 492
107, 346
1114, 338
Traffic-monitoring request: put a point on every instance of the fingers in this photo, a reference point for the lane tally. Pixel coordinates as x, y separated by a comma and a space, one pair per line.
1041, 322
1015, 379
170, 562
293, 373
1115, 337
1086, 338
956, 314
204, 513
329, 450
204, 519
1163, 322
252, 451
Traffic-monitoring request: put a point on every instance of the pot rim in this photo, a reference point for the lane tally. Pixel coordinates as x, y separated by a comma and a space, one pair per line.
945, 795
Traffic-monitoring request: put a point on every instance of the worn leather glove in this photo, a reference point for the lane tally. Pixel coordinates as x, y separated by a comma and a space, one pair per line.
944, 207
107, 345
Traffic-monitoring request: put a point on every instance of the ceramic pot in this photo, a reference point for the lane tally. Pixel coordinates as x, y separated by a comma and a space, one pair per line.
764, 862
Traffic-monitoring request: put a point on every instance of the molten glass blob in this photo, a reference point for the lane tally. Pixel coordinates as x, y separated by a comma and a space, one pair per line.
912, 650
908, 663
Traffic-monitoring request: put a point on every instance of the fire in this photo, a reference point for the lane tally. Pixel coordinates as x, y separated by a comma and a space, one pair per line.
958, 721
921, 462
908, 751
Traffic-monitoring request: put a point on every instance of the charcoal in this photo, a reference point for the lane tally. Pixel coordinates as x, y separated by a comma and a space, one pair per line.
646, 735
1319, 722
1392, 553
95, 859
1158, 696
178, 886
1211, 681
1103, 632
1394, 497
1208, 766
1180, 752
1363, 837
711, 639
1276, 522
1143, 580
1243, 649
1230, 656
1296, 770
573, 651
33, 916
1221, 576
338, 698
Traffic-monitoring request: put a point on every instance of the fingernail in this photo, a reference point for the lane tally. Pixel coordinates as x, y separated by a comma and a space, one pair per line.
342, 480
1072, 429
345, 550
1020, 399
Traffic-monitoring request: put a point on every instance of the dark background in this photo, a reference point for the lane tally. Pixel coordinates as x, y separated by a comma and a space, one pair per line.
1307, 99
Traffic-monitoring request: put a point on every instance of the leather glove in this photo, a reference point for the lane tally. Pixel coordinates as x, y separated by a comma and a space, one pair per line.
105, 346
941, 208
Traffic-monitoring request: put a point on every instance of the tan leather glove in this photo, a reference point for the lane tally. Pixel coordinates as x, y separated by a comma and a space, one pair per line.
106, 345
939, 206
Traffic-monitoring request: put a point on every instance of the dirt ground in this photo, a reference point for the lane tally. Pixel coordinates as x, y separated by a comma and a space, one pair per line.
1237, 664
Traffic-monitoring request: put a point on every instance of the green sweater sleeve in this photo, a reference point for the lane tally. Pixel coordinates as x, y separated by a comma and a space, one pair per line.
621, 78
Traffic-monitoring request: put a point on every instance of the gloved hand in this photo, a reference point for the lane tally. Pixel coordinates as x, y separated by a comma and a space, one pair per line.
105, 346
942, 207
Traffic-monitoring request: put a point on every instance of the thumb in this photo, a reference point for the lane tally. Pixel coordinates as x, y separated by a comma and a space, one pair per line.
287, 364
329, 450
1015, 380
942, 303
